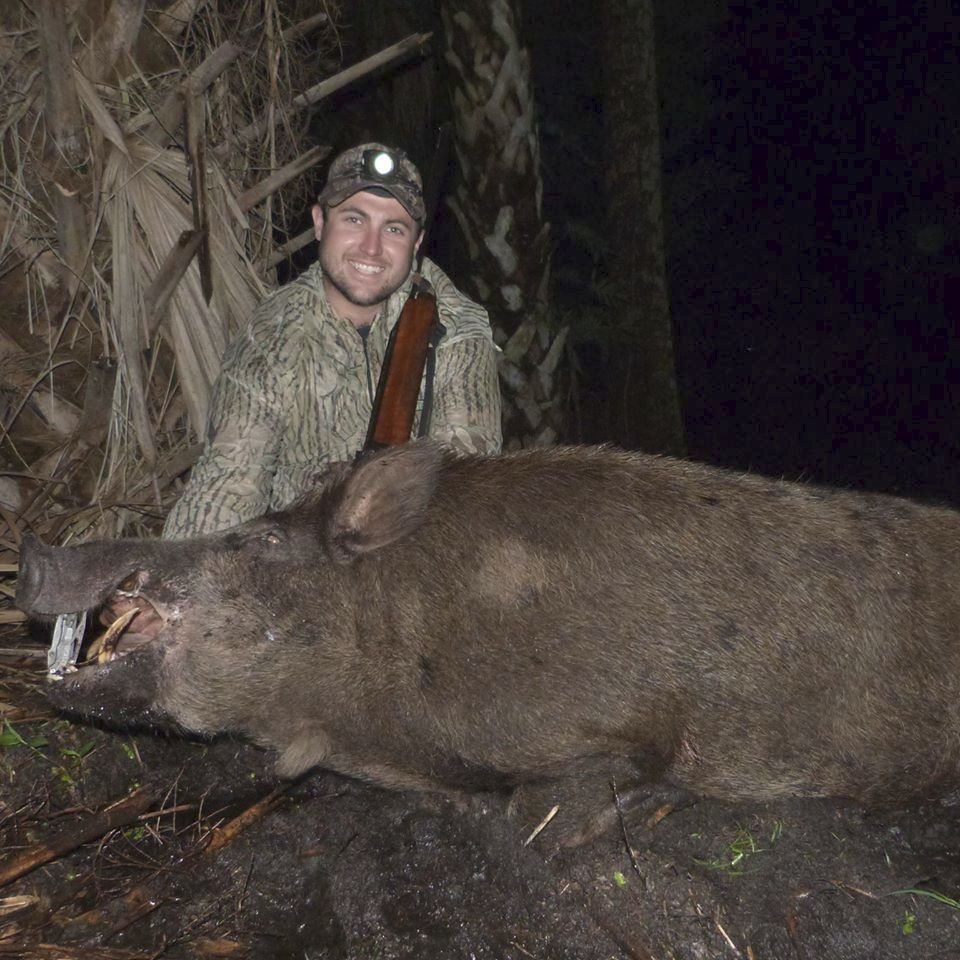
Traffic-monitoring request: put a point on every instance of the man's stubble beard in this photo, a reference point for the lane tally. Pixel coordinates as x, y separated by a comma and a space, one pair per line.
338, 279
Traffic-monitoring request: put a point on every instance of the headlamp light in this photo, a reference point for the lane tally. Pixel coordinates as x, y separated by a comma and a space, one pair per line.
379, 165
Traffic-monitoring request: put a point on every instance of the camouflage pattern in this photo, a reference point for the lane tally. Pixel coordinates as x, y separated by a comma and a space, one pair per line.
296, 391
347, 176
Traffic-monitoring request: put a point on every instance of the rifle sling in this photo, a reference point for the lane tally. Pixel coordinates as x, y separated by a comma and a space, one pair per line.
436, 332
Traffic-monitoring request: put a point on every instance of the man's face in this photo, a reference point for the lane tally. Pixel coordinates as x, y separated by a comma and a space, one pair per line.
367, 244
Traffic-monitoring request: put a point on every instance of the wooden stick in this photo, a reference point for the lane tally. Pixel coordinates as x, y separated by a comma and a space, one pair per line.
176, 18
114, 37
142, 898
96, 825
56, 951
196, 149
304, 27
414, 45
62, 110
158, 294
288, 248
64, 122
221, 836
260, 191
119, 913
168, 115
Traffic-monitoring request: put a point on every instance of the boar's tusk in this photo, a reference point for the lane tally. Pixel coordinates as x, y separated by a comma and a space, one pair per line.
104, 647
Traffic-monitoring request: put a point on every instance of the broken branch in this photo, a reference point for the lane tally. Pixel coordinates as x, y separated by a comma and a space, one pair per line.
289, 248
414, 45
260, 191
168, 115
56, 951
221, 836
96, 825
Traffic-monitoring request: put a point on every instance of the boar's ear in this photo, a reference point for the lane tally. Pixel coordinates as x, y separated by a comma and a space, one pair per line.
383, 499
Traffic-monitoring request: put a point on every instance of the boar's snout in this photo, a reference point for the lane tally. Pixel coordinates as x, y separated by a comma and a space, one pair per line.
54, 580
31, 574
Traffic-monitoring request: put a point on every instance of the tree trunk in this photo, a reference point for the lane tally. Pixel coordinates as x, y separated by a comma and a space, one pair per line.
645, 369
497, 204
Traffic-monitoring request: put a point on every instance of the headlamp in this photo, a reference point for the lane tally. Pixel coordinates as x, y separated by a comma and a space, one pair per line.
379, 169
379, 165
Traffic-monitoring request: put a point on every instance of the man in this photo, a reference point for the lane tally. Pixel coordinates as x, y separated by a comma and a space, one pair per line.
296, 388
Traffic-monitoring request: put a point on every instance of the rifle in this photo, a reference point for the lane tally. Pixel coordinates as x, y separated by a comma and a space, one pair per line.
412, 344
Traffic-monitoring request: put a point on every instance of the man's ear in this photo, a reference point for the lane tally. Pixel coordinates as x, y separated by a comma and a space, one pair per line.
318, 220
416, 246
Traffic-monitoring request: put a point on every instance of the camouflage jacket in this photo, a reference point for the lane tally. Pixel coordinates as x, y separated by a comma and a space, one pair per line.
295, 393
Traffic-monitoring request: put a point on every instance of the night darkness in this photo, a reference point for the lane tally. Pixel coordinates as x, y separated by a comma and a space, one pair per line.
812, 188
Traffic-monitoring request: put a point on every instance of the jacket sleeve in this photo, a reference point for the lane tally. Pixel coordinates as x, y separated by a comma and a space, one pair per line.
231, 482
466, 393
466, 400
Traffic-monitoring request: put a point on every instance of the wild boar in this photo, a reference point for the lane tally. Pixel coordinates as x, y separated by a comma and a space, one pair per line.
432, 622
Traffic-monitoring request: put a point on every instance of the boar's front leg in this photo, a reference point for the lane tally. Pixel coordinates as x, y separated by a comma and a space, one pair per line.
309, 746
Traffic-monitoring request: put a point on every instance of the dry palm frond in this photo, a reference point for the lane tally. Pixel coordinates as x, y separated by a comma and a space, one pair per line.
146, 209
104, 386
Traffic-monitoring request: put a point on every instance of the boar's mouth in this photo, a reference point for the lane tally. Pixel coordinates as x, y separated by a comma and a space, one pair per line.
132, 621
117, 680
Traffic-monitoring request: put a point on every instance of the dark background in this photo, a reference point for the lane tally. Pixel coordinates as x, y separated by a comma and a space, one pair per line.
811, 200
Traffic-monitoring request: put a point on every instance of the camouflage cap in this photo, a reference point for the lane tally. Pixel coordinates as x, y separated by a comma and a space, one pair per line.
373, 166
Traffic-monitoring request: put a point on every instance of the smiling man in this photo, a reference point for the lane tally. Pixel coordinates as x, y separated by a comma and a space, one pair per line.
296, 387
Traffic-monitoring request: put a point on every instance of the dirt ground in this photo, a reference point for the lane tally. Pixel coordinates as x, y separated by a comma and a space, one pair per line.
328, 868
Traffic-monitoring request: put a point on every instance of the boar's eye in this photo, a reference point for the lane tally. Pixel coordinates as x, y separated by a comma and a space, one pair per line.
254, 539
133, 583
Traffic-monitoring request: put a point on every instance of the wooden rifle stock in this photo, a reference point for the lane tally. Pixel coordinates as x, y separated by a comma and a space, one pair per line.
412, 341
395, 405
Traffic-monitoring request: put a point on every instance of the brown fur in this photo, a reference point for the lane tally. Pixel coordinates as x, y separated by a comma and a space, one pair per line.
434, 622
